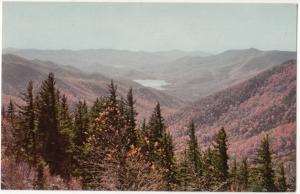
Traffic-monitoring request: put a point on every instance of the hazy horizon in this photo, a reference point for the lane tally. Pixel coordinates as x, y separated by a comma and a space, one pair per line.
149, 27
179, 50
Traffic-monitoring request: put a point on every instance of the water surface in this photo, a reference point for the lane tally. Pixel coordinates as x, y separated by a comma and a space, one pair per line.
152, 83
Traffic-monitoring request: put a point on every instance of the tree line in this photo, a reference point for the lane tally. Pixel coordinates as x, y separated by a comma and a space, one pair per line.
105, 148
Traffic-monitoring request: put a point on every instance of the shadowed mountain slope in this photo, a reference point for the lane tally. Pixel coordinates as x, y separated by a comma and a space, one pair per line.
17, 72
263, 104
190, 75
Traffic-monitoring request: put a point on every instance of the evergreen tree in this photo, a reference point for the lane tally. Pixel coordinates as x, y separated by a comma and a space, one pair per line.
155, 131
144, 125
282, 186
66, 139
48, 125
210, 171
130, 117
222, 156
243, 175
168, 162
96, 108
11, 113
27, 128
14, 149
106, 148
3, 112
264, 168
234, 176
81, 123
187, 177
193, 150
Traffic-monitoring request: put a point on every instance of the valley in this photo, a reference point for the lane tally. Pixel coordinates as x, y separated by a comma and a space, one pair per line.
249, 92
190, 75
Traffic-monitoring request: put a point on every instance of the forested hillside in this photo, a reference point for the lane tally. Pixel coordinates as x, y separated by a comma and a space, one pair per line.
76, 85
264, 104
46, 145
190, 75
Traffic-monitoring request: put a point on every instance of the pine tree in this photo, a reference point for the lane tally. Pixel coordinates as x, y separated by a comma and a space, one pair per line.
210, 171
48, 126
193, 149
263, 161
104, 163
243, 175
82, 129
3, 112
27, 140
155, 131
282, 186
222, 156
234, 176
168, 162
143, 128
14, 148
187, 177
66, 139
96, 108
81, 123
11, 113
130, 117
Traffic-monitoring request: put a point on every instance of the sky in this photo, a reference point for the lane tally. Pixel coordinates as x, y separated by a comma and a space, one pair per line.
211, 28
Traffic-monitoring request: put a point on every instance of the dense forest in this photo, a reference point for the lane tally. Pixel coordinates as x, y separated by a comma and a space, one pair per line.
55, 146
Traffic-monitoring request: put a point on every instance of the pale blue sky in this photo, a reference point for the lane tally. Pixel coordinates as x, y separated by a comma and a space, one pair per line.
150, 27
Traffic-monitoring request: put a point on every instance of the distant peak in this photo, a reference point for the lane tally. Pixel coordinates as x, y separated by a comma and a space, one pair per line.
241, 50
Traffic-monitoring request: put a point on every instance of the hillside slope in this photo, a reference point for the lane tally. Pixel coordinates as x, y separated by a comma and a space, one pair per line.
194, 77
109, 57
17, 72
190, 75
264, 104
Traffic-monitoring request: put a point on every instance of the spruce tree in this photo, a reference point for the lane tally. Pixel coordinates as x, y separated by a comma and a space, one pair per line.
82, 129
131, 118
168, 162
11, 113
66, 140
14, 148
234, 176
210, 171
106, 148
222, 156
264, 167
81, 123
155, 131
48, 125
282, 186
243, 175
27, 126
193, 149
187, 177
3, 112
143, 128
96, 108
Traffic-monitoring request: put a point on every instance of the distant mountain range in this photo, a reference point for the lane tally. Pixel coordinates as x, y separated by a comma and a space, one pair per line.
190, 75
263, 104
17, 72
110, 57
194, 77
249, 92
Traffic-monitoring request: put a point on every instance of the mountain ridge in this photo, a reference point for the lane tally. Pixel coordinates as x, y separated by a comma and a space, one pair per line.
184, 73
263, 104
17, 72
